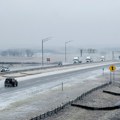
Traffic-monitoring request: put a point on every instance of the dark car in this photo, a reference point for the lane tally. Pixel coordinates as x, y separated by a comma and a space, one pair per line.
10, 82
60, 63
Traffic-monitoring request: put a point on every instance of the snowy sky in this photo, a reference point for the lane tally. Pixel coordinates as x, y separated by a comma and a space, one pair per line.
87, 23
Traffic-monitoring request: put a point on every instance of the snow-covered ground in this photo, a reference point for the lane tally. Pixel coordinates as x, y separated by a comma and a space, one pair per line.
17, 102
23, 94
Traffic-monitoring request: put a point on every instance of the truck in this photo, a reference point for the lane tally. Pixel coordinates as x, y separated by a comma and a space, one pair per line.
76, 60
102, 58
89, 59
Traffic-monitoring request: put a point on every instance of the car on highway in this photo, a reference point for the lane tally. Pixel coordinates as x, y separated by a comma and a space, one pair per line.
60, 63
10, 82
5, 69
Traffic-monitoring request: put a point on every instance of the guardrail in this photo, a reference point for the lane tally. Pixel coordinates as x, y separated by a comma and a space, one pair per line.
40, 68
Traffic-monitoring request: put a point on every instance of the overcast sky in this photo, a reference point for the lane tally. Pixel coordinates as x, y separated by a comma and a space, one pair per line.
88, 23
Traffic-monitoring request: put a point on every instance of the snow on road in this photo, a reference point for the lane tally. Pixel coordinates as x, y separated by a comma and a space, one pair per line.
7, 100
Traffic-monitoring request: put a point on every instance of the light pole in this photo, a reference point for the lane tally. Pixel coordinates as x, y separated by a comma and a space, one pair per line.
112, 55
81, 52
65, 49
44, 40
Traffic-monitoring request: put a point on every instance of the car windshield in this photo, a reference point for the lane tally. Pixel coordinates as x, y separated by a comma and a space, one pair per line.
8, 79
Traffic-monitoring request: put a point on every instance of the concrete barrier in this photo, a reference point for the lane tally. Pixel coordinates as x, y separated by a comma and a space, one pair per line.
96, 108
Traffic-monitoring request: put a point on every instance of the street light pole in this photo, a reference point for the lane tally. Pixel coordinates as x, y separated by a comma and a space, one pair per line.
42, 53
65, 49
43, 40
112, 55
81, 52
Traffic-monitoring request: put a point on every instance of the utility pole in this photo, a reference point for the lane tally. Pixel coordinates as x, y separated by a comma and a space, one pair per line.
113, 55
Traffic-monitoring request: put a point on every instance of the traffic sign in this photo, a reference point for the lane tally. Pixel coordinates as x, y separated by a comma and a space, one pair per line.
112, 68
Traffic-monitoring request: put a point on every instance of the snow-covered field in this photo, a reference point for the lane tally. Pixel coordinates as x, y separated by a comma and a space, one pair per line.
40, 98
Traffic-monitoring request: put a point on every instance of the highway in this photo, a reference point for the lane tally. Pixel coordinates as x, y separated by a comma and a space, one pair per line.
27, 88
55, 78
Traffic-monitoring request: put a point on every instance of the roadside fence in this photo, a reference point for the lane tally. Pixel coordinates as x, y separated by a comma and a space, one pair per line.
61, 107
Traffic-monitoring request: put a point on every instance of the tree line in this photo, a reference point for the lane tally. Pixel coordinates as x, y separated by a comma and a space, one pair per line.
17, 52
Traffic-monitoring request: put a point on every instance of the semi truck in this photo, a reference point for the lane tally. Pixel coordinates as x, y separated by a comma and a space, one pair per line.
89, 59
102, 58
76, 60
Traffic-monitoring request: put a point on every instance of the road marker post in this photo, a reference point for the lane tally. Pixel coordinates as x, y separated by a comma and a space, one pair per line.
62, 86
103, 71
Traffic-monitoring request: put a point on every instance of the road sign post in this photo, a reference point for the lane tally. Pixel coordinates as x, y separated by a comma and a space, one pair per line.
62, 86
103, 71
112, 69
110, 77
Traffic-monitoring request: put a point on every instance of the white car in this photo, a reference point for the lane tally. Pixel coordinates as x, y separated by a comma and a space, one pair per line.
5, 69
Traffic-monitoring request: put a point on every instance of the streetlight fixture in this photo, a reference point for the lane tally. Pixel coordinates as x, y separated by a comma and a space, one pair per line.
44, 40
65, 49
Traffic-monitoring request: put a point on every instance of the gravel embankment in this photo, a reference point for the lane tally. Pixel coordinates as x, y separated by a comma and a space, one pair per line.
96, 99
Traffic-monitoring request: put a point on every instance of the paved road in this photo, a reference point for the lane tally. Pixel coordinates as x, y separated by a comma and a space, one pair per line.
56, 79
31, 97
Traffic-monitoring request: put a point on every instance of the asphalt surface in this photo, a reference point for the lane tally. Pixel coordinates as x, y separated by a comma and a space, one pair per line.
50, 78
44, 103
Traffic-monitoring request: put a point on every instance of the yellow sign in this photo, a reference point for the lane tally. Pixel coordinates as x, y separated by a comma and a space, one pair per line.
112, 68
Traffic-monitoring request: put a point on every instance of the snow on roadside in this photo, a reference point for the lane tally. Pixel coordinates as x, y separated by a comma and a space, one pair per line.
7, 99
58, 72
